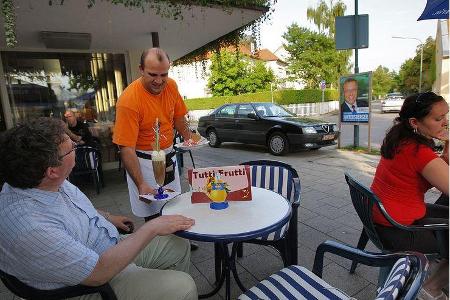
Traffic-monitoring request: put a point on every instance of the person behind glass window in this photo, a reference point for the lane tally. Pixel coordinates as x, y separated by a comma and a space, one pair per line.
78, 131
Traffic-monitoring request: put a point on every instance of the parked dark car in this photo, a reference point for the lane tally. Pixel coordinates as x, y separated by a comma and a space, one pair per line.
265, 124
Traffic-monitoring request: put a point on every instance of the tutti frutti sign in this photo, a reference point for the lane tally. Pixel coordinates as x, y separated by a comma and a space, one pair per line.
219, 184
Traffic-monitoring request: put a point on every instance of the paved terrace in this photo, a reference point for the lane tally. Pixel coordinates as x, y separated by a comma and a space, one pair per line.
325, 213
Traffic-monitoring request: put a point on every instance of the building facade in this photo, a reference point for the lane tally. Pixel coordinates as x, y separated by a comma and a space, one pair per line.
69, 56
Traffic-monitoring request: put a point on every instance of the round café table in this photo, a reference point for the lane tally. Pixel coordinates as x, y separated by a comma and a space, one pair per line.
242, 220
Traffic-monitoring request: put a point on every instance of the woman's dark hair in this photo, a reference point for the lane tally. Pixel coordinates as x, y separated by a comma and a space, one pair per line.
415, 106
27, 150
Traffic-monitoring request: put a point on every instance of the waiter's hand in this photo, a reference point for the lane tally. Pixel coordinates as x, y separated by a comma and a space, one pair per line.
145, 189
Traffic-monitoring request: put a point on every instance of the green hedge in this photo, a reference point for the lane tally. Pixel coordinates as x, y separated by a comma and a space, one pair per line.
281, 97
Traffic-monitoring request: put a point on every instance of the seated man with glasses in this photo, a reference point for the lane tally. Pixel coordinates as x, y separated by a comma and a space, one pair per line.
53, 237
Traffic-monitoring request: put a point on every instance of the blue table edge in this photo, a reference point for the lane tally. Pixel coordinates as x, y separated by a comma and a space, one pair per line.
234, 237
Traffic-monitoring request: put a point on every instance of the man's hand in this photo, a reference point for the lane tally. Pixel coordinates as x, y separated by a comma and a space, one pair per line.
121, 222
165, 225
145, 189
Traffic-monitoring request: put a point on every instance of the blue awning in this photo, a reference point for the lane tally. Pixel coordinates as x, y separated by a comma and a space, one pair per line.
435, 9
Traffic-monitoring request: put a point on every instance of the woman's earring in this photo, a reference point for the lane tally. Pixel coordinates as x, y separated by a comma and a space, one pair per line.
415, 130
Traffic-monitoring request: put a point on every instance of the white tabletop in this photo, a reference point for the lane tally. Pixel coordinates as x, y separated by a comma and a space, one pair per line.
267, 212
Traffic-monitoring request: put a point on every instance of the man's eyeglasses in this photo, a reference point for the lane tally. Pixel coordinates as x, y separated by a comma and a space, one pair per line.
74, 146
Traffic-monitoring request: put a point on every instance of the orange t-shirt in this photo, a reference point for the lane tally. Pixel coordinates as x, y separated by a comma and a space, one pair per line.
136, 113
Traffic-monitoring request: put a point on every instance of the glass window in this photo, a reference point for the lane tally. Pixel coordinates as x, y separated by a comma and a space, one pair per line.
2, 118
227, 111
46, 84
244, 110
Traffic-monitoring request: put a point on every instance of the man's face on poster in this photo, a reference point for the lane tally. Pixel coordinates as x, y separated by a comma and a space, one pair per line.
350, 92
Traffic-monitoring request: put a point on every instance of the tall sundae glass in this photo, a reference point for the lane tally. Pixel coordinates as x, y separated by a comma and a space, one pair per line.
159, 163
159, 170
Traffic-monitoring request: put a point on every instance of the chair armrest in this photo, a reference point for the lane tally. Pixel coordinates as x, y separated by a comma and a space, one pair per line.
432, 227
356, 255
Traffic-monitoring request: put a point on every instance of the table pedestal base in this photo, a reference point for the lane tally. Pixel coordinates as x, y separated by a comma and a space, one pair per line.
227, 265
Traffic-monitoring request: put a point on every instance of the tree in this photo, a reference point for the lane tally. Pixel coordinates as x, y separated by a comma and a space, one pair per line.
313, 56
233, 74
383, 82
323, 15
409, 74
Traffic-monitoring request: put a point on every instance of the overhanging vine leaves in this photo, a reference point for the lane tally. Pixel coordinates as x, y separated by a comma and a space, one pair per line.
171, 9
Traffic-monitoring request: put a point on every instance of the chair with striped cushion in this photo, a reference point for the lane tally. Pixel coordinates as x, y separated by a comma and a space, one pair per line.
282, 179
88, 162
295, 282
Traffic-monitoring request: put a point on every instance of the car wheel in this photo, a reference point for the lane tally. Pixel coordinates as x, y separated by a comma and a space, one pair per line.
213, 138
278, 143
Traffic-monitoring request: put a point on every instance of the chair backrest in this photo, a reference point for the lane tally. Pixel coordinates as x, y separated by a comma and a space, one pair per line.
86, 158
24, 291
282, 179
363, 201
405, 278
275, 176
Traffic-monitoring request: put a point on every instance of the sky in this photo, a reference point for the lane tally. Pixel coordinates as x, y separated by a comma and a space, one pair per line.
387, 18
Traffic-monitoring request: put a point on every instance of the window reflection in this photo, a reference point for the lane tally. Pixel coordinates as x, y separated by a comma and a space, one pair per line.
46, 84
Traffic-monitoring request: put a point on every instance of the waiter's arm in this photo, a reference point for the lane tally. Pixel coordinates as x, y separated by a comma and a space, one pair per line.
181, 125
131, 163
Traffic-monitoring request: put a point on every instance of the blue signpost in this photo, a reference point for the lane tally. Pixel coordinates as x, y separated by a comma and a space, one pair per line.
353, 38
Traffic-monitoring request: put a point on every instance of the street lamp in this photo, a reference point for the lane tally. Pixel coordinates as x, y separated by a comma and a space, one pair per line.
421, 56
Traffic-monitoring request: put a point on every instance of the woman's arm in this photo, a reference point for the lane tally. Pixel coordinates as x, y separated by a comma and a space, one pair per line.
436, 173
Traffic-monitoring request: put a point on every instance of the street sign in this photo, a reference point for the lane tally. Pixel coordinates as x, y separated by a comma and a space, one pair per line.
345, 32
323, 85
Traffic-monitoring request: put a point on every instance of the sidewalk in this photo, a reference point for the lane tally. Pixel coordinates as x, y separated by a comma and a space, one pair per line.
325, 213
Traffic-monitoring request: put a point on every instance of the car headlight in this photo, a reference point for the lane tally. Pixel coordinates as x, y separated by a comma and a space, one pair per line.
335, 128
309, 130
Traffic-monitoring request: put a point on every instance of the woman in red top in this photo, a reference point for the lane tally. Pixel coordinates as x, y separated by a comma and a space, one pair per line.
407, 170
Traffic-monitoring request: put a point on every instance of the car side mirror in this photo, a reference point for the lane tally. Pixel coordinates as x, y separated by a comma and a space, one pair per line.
252, 116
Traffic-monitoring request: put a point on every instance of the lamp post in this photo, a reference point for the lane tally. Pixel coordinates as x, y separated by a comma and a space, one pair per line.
421, 56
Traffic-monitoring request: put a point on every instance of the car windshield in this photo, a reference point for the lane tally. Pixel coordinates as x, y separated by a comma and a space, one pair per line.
272, 110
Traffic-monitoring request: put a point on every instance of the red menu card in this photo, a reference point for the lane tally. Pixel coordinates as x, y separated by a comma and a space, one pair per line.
230, 183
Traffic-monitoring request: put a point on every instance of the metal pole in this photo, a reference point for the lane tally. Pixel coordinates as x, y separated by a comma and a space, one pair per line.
420, 76
356, 127
271, 91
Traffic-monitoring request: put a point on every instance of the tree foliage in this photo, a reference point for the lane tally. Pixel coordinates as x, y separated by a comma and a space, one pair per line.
313, 57
323, 15
383, 82
234, 74
409, 74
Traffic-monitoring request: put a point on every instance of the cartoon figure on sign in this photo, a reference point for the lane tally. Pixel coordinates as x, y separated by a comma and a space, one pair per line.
217, 191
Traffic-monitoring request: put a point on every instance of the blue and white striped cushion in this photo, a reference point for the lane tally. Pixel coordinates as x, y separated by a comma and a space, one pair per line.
293, 282
274, 178
279, 180
86, 159
395, 280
